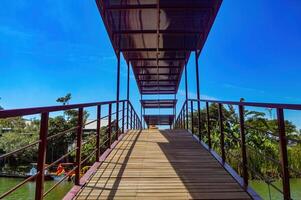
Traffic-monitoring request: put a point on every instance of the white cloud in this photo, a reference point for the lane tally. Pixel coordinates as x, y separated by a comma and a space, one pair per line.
193, 95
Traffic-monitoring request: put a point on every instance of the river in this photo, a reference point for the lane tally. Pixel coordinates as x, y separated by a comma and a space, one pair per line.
28, 190
263, 190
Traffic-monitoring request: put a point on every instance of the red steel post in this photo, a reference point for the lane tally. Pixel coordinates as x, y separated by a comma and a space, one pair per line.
123, 107
42, 156
79, 145
283, 154
208, 124
98, 133
243, 146
117, 95
110, 126
191, 112
221, 128
198, 94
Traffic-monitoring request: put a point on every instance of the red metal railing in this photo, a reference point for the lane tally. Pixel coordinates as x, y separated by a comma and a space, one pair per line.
183, 120
44, 139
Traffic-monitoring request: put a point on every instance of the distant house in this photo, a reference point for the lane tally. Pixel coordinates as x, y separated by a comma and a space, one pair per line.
4, 130
92, 126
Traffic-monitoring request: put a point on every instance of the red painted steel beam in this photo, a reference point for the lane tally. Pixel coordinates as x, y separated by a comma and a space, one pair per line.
169, 32
163, 74
154, 59
155, 49
154, 6
160, 85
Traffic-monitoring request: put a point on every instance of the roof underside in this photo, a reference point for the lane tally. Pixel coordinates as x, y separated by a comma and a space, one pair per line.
157, 39
158, 119
160, 103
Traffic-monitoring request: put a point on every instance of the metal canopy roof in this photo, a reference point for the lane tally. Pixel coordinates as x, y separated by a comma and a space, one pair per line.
157, 37
158, 119
160, 103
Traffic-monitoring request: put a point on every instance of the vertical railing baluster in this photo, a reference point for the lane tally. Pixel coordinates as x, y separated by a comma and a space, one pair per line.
187, 118
98, 124
42, 156
127, 115
192, 121
79, 145
117, 123
283, 154
131, 123
134, 117
110, 126
221, 128
123, 107
208, 124
243, 145
183, 118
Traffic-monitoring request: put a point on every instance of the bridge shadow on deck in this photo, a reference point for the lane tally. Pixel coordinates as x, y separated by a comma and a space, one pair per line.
155, 164
126, 146
202, 176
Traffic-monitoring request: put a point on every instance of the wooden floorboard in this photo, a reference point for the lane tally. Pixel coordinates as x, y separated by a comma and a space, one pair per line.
153, 164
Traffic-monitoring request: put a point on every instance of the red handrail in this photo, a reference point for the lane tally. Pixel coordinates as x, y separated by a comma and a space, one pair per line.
44, 138
182, 119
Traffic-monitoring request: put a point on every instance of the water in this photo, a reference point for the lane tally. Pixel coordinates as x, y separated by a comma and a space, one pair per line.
27, 191
262, 189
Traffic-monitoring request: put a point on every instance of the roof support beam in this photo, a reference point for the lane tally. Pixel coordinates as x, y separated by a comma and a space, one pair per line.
154, 59
154, 6
155, 49
162, 74
169, 32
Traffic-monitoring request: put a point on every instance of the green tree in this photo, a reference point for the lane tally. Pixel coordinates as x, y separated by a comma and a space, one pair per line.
65, 99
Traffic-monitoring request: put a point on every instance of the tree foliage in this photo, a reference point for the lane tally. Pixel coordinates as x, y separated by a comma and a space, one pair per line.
261, 139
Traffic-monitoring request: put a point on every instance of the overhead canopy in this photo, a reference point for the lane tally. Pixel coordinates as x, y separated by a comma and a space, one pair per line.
160, 103
158, 119
157, 38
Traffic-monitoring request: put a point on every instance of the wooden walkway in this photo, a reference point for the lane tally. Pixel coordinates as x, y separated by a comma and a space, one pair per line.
154, 164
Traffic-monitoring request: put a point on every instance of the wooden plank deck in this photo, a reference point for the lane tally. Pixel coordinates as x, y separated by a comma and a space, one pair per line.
153, 164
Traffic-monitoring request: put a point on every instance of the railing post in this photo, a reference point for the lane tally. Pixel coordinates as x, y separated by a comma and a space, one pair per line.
208, 124
131, 122
110, 126
79, 145
191, 111
134, 117
98, 132
243, 145
187, 118
221, 128
117, 123
183, 119
127, 115
117, 95
123, 107
42, 156
283, 154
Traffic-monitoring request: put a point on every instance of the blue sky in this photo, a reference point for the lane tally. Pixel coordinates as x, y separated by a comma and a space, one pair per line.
52, 47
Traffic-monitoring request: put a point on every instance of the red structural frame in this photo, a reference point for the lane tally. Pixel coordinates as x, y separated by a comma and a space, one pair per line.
283, 140
45, 139
147, 60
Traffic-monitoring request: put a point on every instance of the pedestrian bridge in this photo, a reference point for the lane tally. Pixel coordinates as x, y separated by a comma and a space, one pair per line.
157, 164
190, 160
